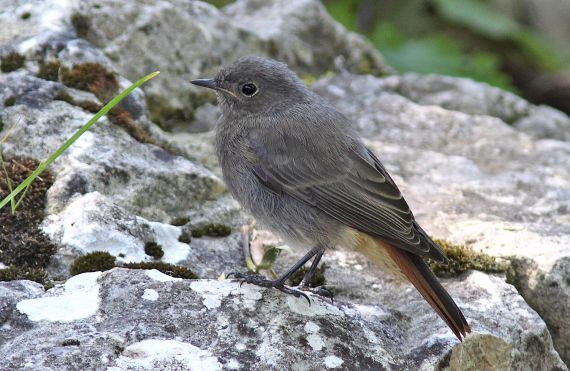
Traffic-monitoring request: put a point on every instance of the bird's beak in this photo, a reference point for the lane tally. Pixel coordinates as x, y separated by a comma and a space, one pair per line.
211, 84
206, 83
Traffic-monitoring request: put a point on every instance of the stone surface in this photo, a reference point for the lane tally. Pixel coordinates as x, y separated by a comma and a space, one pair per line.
299, 32
145, 320
473, 178
479, 166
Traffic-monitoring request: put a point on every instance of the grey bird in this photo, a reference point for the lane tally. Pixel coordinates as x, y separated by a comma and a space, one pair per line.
298, 166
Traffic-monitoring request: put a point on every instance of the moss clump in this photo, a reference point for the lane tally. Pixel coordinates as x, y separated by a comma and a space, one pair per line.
92, 262
13, 273
22, 243
212, 230
81, 24
64, 96
121, 117
89, 106
153, 249
49, 71
10, 101
91, 77
180, 221
184, 237
26, 15
84, 104
461, 259
11, 62
317, 280
169, 269
1, 124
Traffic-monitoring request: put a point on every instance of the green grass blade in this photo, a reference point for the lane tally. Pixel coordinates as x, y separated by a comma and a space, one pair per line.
41, 167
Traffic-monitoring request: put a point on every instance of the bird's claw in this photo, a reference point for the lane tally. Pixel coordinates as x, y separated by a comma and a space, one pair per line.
319, 291
264, 282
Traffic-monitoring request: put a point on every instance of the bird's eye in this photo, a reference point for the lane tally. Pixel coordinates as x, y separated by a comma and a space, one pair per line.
249, 89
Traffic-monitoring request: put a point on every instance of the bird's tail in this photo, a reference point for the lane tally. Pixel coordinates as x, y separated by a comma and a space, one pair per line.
418, 273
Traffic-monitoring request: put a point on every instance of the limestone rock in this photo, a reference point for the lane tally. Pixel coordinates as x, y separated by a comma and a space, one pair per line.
133, 319
472, 178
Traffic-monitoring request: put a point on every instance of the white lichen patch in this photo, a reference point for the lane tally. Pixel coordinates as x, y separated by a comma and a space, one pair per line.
167, 236
316, 342
311, 327
332, 362
78, 298
160, 277
149, 354
214, 291
150, 294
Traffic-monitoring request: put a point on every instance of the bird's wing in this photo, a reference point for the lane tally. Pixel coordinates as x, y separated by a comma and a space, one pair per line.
350, 185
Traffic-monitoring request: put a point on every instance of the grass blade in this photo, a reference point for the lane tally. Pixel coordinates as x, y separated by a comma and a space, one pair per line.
41, 167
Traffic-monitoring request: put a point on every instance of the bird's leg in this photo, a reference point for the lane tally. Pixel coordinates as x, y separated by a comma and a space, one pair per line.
279, 283
304, 285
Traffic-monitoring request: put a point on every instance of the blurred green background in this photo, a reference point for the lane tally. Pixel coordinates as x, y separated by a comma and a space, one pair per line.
492, 41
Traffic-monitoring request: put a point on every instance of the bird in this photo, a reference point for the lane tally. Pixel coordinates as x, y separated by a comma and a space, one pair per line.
297, 164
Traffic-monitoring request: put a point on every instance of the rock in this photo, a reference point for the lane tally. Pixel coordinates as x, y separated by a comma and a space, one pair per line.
472, 178
293, 31
134, 319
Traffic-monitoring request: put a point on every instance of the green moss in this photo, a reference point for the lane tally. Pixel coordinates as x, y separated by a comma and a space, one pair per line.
1, 124
81, 24
91, 77
153, 249
11, 62
26, 15
220, 3
309, 79
461, 259
92, 262
317, 280
13, 273
49, 71
180, 221
10, 101
184, 237
169, 269
212, 230
22, 242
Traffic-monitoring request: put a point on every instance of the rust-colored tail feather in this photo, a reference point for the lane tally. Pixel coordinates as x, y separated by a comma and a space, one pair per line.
419, 274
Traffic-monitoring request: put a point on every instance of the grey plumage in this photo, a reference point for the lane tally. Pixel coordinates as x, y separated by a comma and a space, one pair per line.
299, 167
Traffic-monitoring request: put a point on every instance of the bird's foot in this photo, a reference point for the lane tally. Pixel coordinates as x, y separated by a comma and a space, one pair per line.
264, 282
319, 291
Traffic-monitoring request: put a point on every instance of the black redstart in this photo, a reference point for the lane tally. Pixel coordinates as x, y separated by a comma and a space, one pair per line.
296, 163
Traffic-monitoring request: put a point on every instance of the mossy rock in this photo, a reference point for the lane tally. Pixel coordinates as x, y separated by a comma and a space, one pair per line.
22, 242
49, 71
462, 259
14, 273
153, 249
168, 269
185, 237
91, 77
10, 101
212, 230
11, 62
81, 24
180, 221
92, 262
